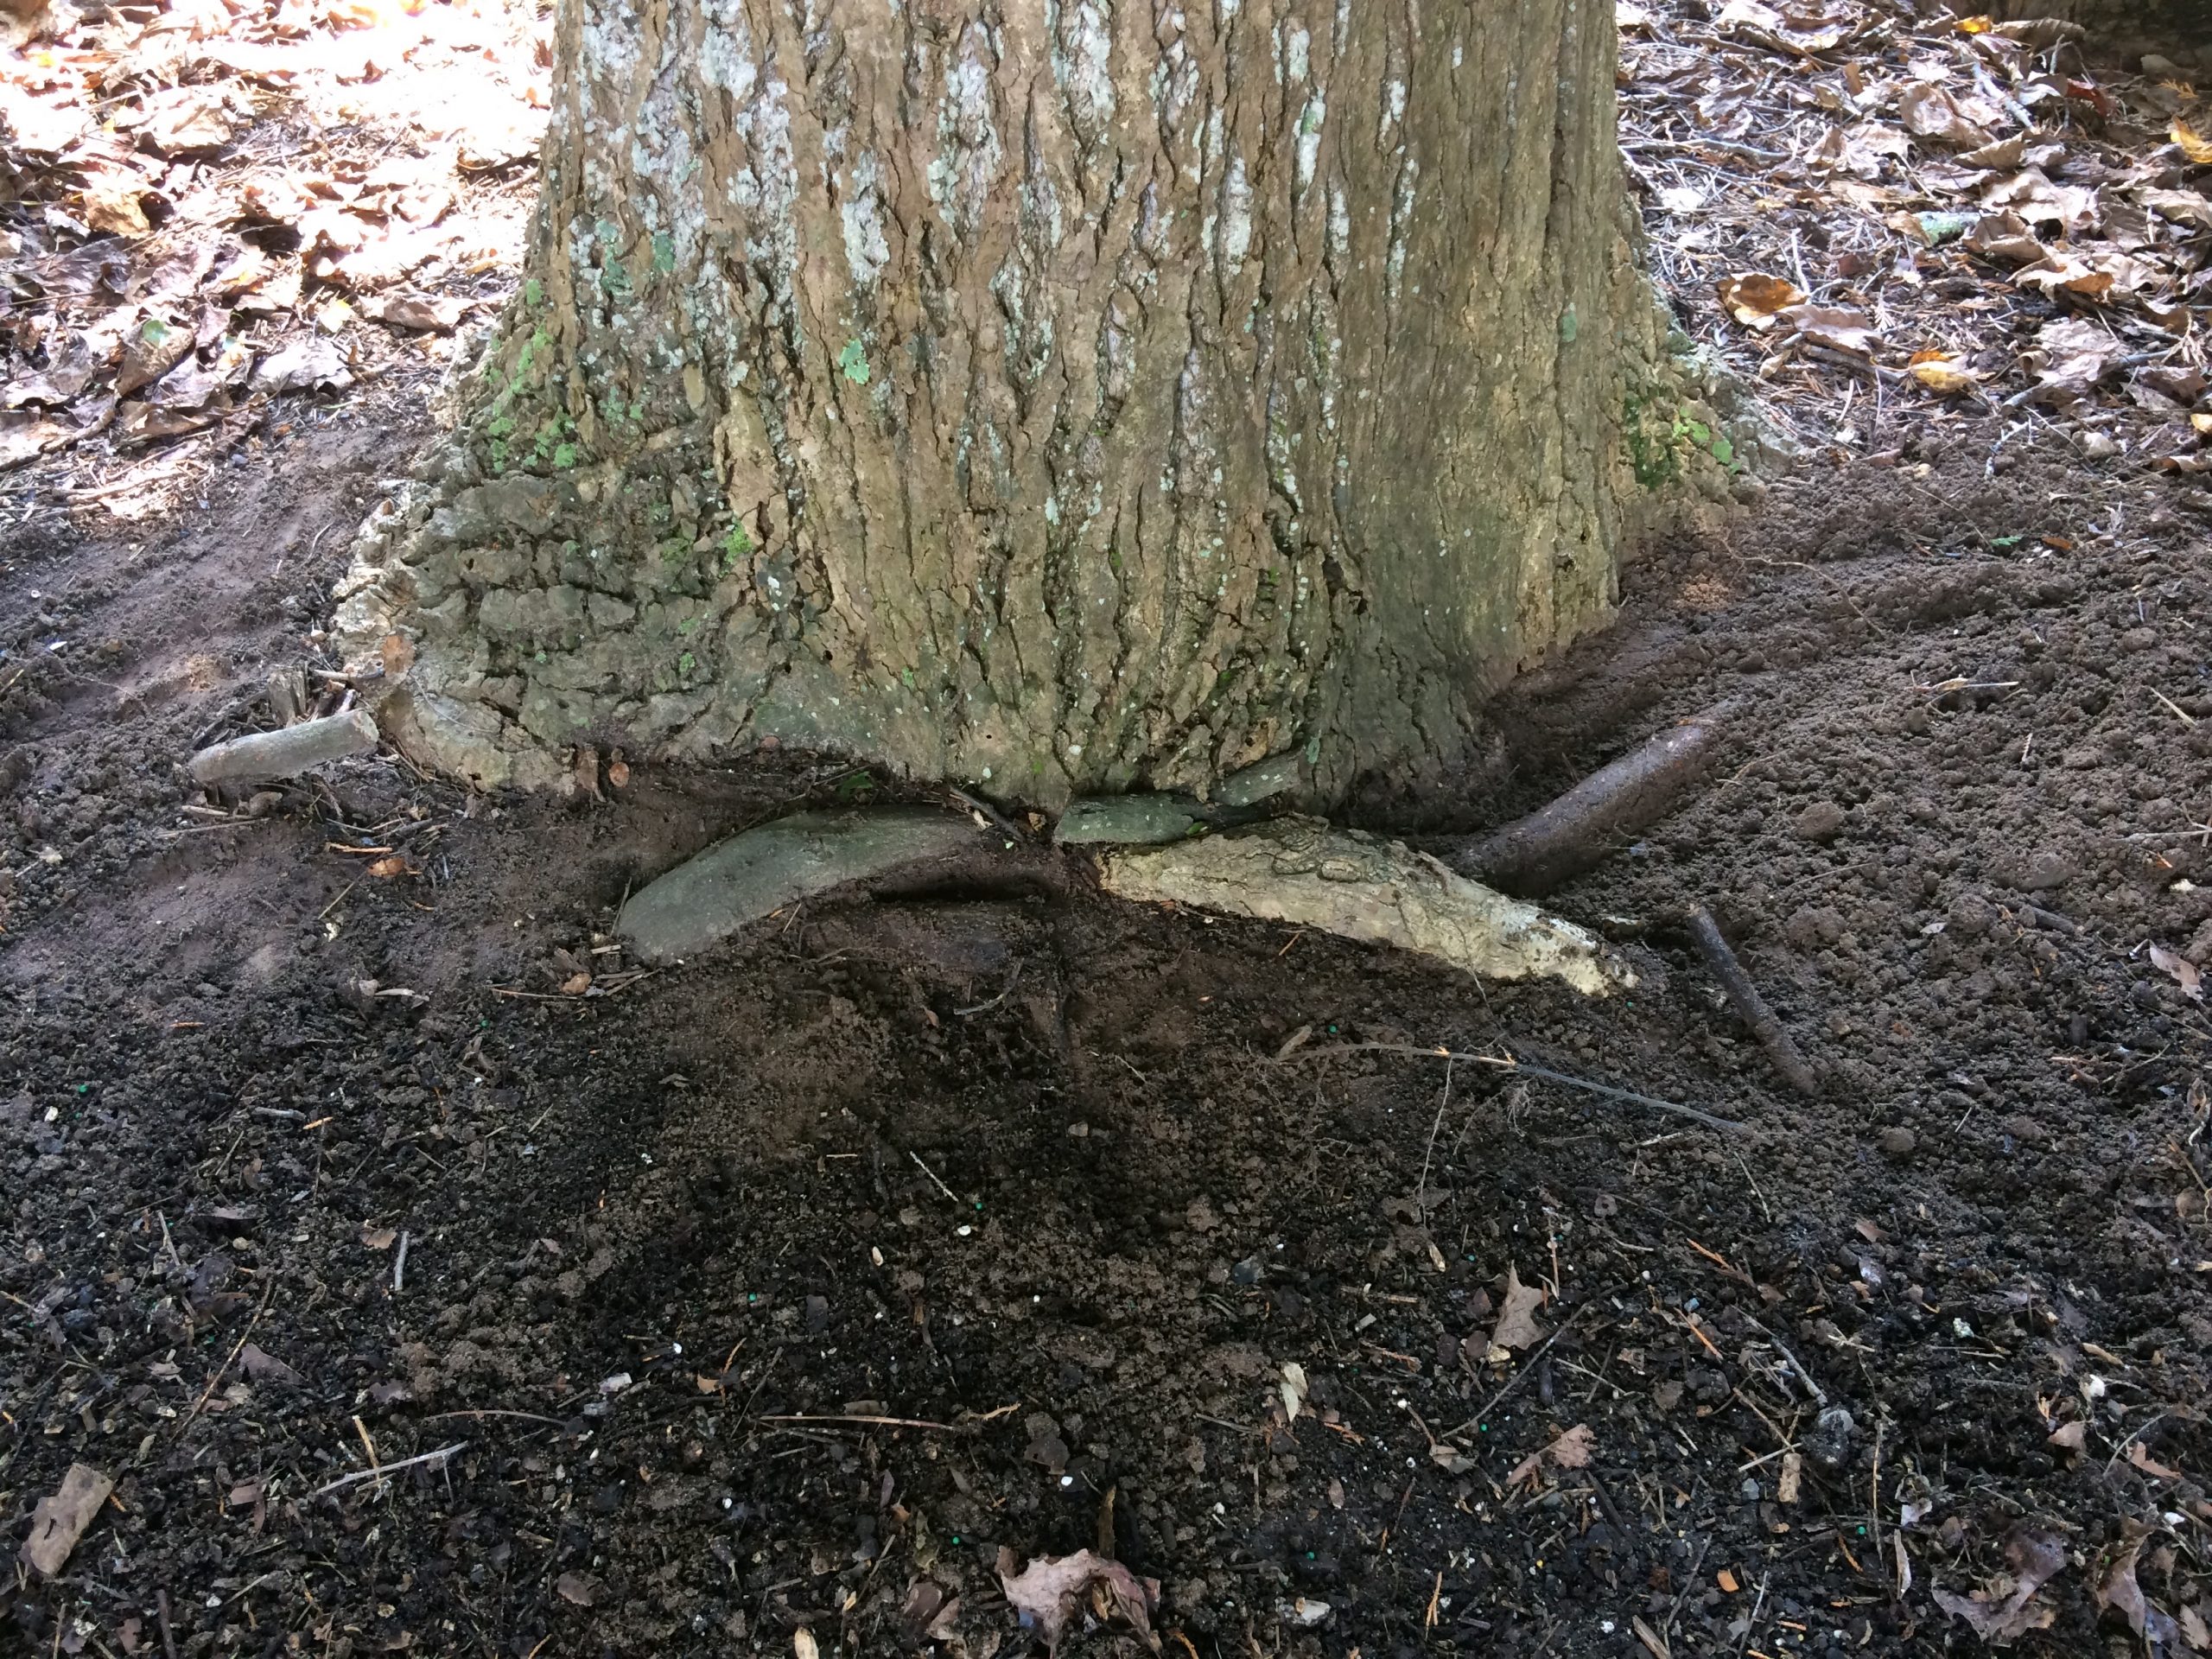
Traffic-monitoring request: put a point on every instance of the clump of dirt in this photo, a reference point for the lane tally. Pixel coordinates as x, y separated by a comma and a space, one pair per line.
428, 1276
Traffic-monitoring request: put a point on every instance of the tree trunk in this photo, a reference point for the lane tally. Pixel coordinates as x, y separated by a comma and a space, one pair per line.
1060, 397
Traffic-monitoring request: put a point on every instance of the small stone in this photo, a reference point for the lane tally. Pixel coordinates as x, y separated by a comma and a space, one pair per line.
1830, 1440
1898, 1141
1971, 916
2046, 871
2098, 446
1822, 822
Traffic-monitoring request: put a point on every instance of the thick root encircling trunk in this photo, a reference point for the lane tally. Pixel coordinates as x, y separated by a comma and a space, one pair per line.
1062, 400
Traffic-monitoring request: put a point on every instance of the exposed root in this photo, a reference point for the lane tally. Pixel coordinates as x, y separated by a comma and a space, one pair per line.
1749, 1003
756, 873
1307, 873
1580, 828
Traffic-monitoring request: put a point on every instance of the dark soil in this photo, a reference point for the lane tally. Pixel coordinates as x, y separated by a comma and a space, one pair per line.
1029, 1177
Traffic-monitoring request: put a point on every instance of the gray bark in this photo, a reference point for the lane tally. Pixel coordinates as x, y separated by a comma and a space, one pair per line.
1064, 398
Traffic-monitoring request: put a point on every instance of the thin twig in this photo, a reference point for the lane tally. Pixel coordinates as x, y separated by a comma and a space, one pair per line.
237, 1348
1444, 1105
1527, 1370
1507, 1063
932, 1174
488, 1411
1013, 980
1820, 1395
387, 1470
984, 809
869, 1421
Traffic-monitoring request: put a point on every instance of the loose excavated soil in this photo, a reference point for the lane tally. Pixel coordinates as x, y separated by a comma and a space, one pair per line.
789, 1286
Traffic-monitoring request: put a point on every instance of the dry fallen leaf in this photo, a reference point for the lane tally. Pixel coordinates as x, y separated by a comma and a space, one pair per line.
1941, 372
1833, 327
2005, 235
2120, 1590
2071, 1437
2063, 270
261, 1367
303, 366
432, 314
2150, 1465
46, 126
1571, 1449
2071, 356
2181, 971
1046, 1594
2006, 1615
60, 1519
152, 349
1793, 1475
378, 1238
2032, 195
575, 1589
184, 119
1930, 112
1755, 300
2180, 207
113, 202
2195, 1631
1291, 1387
1516, 1326
2193, 145
24, 437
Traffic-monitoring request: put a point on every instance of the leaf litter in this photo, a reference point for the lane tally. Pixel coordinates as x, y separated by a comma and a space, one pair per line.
208, 206
1872, 195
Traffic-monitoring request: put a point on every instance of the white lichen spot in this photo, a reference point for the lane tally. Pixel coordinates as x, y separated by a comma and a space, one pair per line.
866, 251
1309, 138
1402, 213
1083, 67
726, 48
1298, 53
970, 153
1236, 216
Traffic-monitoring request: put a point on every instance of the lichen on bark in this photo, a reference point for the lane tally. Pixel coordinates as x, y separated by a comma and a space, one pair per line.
1061, 398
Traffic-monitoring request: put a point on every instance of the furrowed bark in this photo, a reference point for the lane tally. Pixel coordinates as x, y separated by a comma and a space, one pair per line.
1062, 399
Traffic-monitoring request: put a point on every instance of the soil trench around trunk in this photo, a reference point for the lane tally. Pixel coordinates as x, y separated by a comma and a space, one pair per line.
787, 1287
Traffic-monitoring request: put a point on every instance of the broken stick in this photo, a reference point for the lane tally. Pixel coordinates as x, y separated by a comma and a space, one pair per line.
1534, 855
268, 757
1749, 1003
